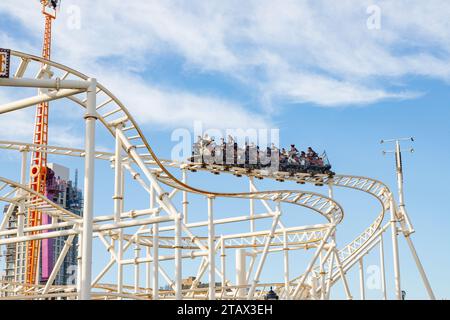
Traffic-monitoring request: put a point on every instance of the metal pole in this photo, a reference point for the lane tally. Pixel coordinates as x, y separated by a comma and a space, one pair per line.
383, 273
58, 263
88, 209
241, 275
286, 264
330, 189
211, 251
420, 268
148, 269
252, 205
343, 276
137, 255
405, 219
43, 97
23, 181
393, 222
330, 276
118, 204
401, 193
361, 279
264, 254
79, 260
178, 257
185, 198
46, 83
223, 260
155, 248
313, 261
322, 275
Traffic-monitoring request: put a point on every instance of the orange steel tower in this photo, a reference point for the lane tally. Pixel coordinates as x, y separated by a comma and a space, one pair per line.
38, 170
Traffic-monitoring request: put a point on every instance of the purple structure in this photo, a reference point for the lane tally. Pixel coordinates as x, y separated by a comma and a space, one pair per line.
47, 244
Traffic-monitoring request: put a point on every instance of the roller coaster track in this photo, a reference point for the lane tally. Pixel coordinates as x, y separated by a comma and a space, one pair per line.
112, 113
373, 187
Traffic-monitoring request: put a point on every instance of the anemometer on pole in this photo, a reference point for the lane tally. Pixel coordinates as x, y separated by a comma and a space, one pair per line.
407, 229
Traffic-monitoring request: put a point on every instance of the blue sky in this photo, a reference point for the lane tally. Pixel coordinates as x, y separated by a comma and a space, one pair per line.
312, 69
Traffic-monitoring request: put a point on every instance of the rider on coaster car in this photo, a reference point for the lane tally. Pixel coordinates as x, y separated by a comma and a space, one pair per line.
293, 155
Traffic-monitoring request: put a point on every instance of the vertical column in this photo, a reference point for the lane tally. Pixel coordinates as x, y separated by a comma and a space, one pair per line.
137, 255
241, 274
155, 248
178, 258
88, 208
211, 251
396, 260
361, 279
185, 198
21, 209
252, 221
383, 274
252, 205
79, 259
118, 205
330, 189
333, 236
21, 212
223, 260
148, 269
286, 264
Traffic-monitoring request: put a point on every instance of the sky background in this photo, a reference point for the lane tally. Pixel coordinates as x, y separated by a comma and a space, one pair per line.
316, 70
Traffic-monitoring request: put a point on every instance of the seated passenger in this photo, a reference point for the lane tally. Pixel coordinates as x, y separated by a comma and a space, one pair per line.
293, 152
303, 158
293, 148
206, 139
274, 150
312, 155
212, 147
283, 155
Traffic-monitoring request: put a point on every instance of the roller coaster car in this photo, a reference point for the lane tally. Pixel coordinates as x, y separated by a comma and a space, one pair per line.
311, 166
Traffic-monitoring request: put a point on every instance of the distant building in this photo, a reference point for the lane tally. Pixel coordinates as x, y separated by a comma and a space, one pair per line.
61, 190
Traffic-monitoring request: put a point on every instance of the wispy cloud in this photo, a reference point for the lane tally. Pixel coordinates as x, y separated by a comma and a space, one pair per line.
318, 52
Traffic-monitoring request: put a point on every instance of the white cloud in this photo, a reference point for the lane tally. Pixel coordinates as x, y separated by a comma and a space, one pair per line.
317, 52
167, 107
18, 126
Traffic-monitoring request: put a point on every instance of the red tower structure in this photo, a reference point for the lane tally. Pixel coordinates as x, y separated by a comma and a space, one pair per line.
38, 170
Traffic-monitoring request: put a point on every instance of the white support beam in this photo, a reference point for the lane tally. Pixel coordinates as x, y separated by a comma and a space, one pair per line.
362, 288
118, 205
264, 255
312, 262
382, 267
59, 262
45, 83
396, 258
211, 251
32, 101
88, 209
